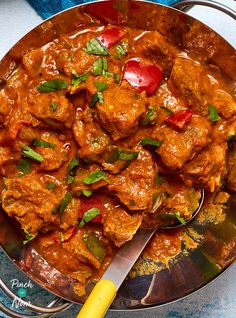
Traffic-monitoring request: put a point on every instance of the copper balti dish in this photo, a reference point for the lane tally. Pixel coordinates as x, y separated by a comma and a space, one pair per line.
217, 248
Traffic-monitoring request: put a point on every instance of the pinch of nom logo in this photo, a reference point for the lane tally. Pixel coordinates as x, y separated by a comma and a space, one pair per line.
21, 290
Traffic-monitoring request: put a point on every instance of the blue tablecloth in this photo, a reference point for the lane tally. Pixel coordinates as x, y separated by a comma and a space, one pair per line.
47, 8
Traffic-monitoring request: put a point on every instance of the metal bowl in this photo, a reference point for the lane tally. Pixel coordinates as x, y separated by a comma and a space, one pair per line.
218, 249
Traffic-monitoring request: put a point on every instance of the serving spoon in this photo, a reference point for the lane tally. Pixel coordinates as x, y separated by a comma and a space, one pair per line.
104, 292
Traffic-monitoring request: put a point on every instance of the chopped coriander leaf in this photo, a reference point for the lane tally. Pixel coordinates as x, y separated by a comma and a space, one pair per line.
73, 163
94, 177
29, 237
89, 215
77, 79
213, 113
41, 143
100, 86
128, 155
55, 210
180, 219
171, 216
119, 154
150, 142
159, 180
23, 165
62, 236
52, 85
149, 117
121, 50
87, 193
100, 66
30, 153
64, 202
95, 246
51, 185
93, 47
117, 77
97, 97
167, 110
70, 179
53, 106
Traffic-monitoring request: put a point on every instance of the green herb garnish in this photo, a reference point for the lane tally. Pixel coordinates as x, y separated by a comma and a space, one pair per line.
77, 79
73, 163
23, 165
62, 236
150, 142
100, 66
97, 97
30, 153
52, 85
89, 215
94, 177
167, 110
149, 117
100, 86
53, 106
171, 216
121, 50
41, 143
29, 237
95, 246
213, 113
128, 155
64, 202
51, 185
93, 47
87, 193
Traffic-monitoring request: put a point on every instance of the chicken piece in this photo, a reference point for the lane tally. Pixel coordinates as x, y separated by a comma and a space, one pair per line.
134, 185
207, 168
27, 199
179, 147
231, 167
89, 135
6, 155
53, 109
200, 88
32, 62
121, 110
119, 226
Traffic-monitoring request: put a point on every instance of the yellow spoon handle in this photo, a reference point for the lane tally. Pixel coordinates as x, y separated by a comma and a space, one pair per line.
99, 300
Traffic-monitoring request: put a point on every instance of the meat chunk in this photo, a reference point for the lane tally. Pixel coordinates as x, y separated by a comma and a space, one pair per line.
134, 186
120, 112
54, 155
200, 88
53, 109
154, 46
119, 226
193, 83
89, 135
77, 246
28, 200
179, 147
207, 168
231, 165
6, 105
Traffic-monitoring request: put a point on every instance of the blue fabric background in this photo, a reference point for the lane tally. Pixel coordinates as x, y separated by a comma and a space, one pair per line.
46, 8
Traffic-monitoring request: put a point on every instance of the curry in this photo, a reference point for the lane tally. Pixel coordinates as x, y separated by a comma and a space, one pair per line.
107, 130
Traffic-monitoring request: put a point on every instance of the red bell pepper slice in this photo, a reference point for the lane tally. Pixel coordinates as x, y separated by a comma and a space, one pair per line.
89, 203
180, 118
142, 77
109, 37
